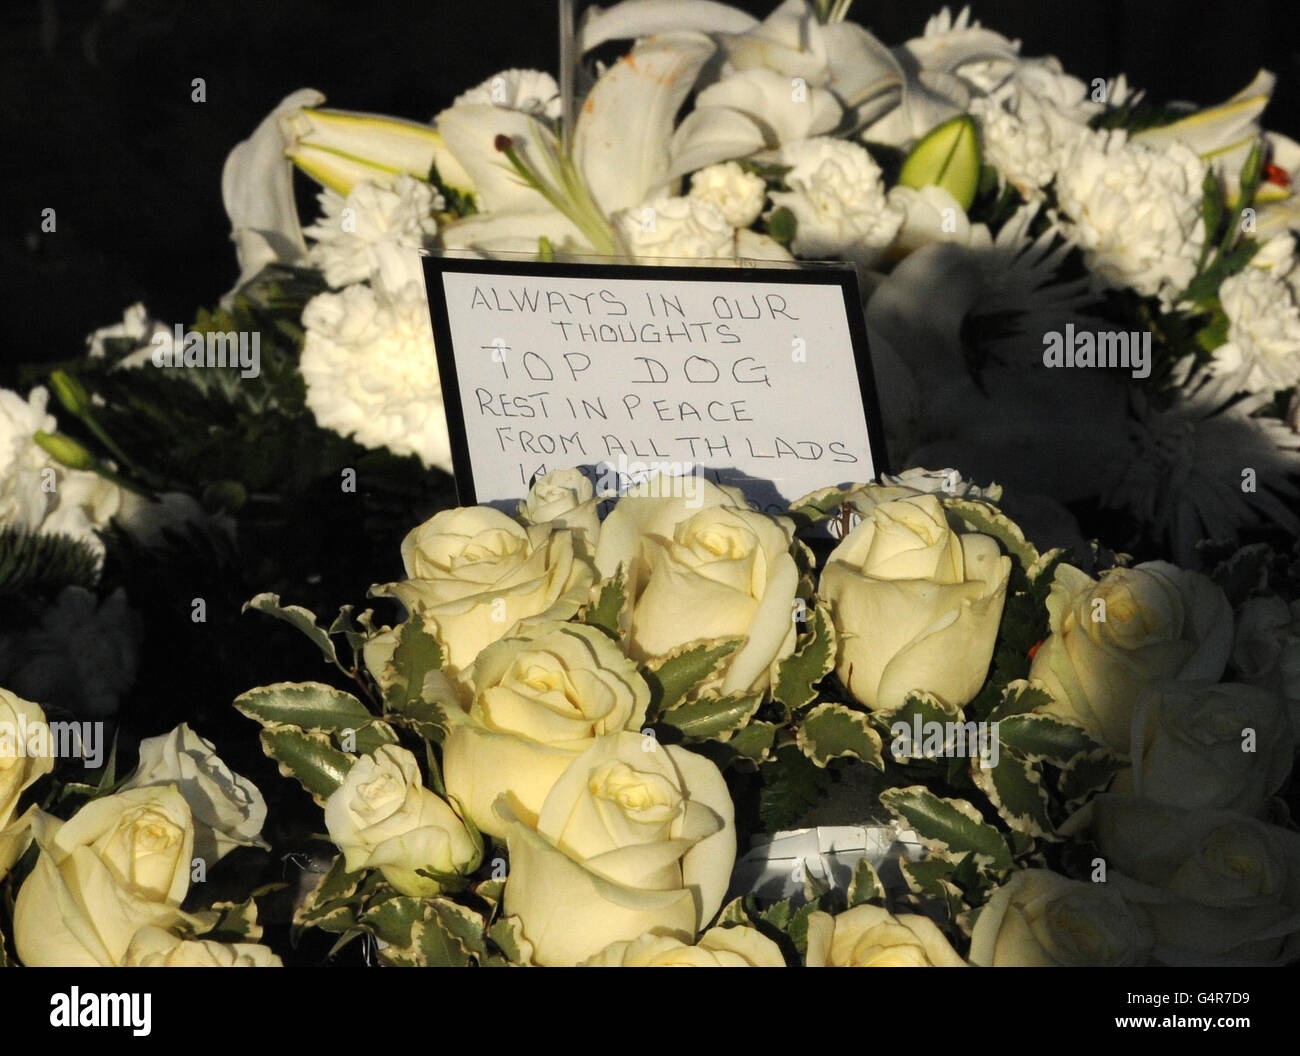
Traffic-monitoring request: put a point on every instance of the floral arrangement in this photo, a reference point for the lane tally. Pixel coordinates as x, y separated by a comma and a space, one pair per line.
559, 732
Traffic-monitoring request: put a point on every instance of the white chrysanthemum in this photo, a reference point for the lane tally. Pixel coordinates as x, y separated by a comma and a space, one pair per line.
1263, 329
739, 194
677, 227
1187, 473
838, 200
81, 656
532, 91
371, 373
1135, 212
352, 232
137, 326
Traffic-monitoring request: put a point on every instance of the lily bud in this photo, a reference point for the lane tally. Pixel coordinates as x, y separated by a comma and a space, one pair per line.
339, 149
65, 450
71, 393
948, 157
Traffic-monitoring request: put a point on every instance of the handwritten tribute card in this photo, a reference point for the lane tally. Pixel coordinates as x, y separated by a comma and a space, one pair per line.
758, 378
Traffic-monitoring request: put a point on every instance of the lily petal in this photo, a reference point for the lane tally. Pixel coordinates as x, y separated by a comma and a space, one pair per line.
644, 18
712, 134
470, 134
257, 190
621, 142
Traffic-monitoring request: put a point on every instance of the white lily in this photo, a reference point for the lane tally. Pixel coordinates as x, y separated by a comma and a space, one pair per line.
529, 190
257, 190
1223, 134
338, 150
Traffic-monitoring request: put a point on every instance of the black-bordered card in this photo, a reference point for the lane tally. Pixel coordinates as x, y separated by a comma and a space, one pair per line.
759, 377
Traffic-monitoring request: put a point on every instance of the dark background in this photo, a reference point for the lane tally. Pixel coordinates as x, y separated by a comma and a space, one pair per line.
97, 121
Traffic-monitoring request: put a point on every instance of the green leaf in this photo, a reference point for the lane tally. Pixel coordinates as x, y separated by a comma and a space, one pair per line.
432, 932
865, 886
981, 517
303, 619
782, 225
507, 934
1044, 737
948, 157
948, 826
416, 653
309, 757
233, 921
672, 678
1089, 773
314, 706
335, 901
791, 786
734, 913
1020, 697
926, 706
754, 740
1015, 788
813, 659
817, 506
607, 610
712, 716
831, 731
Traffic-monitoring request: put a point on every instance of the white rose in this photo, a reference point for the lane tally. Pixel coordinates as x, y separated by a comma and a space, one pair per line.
738, 194
18, 772
872, 937
916, 604
838, 200
676, 227
563, 498
1218, 886
1190, 746
700, 565
1041, 919
1266, 649
738, 947
634, 837
158, 948
1113, 638
474, 573
382, 817
120, 863
228, 810
537, 702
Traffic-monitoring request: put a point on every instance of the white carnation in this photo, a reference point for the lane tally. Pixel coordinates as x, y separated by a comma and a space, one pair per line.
352, 232
838, 200
677, 227
1026, 139
532, 91
1263, 329
1135, 212
371, 372
739, 194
